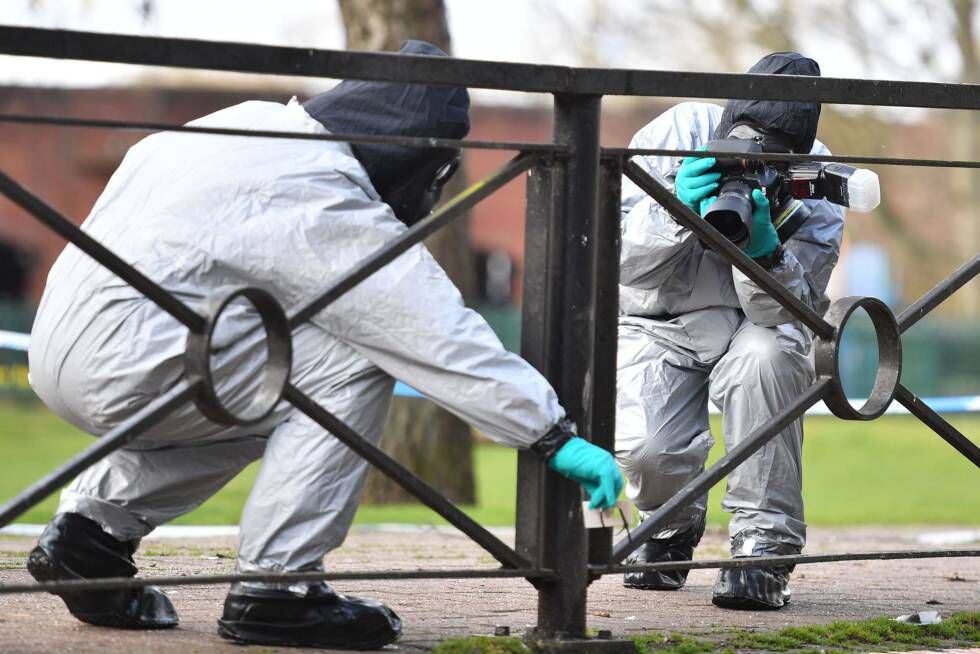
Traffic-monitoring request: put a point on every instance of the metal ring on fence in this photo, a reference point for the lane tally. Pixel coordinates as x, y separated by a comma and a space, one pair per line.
827, 357
277, 367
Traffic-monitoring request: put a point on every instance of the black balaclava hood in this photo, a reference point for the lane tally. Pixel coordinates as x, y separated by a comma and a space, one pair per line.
794, 121
395, 109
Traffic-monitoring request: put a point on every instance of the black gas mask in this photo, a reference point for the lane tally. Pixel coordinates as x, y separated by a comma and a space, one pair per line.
414, 197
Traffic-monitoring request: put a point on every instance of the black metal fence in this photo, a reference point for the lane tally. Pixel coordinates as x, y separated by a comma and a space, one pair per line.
570, 296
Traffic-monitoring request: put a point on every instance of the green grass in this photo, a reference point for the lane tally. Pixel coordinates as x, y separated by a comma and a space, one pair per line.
879, 634
889, 471
482, 645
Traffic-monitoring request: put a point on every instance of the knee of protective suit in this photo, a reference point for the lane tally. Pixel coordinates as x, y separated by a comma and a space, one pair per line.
657, 468
764, 354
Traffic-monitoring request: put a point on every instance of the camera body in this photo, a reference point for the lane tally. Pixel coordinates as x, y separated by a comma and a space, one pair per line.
784, 184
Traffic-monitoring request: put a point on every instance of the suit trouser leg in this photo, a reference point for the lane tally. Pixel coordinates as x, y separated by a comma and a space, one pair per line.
309, 483
130, 492
662, 431
764, 370
177, 464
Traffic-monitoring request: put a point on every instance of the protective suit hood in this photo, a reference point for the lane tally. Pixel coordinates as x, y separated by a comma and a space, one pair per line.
795, 121
394, 109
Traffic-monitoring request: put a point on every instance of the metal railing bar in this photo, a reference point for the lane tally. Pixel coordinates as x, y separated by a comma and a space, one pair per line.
704, 481
918, 309
938, 424
405, 478
767, 561
775, 156
125, 432
117, 583
51, 218
727, 250
451, 210
408, 141
535, 78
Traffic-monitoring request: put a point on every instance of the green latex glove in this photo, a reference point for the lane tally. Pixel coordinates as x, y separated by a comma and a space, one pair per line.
592, 467
694, 183
763, 239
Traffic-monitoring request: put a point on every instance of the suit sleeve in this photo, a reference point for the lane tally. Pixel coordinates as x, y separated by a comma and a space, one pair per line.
808, 259
410, 321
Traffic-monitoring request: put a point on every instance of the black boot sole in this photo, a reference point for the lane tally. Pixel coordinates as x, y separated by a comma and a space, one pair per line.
43, 568
276, 635
639, 586
744, 604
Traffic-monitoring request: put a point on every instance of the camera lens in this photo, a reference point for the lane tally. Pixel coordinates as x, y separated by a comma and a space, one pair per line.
731, 213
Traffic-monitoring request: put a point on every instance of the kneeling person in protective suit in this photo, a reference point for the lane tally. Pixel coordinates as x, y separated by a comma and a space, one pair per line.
199, 212
693, 328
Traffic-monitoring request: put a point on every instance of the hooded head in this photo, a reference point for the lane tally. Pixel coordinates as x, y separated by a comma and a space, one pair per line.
402, 176
794, 122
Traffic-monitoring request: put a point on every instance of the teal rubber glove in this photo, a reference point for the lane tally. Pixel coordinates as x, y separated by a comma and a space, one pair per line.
592, 467
694, 183
763, 240
706, 204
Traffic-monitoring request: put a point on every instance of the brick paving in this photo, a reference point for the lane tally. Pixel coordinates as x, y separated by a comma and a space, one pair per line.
435, 610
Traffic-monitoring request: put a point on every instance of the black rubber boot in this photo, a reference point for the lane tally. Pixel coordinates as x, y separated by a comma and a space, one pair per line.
318, 618
679, 547
74, 547
755, 589
752, 589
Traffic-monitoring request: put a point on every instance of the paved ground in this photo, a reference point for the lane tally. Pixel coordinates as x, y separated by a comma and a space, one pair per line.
435, 610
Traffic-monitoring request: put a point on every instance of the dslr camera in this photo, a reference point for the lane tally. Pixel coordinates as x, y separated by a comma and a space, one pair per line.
784, 183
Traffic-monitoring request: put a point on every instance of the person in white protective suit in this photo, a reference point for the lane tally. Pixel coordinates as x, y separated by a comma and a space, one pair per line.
692, 329
197, 213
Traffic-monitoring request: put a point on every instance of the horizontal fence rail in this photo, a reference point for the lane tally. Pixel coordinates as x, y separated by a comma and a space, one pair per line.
779, 156
117, 583
534, 78
570, 302
407, 141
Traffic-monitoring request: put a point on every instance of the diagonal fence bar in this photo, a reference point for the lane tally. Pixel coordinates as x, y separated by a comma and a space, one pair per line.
408, 141
938, 424
404, 478
453, 209
956, 280
727, 250
51, 218
106, 444
704, 481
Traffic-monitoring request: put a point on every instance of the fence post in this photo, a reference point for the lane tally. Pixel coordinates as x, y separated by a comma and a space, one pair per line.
558, 338
600, 404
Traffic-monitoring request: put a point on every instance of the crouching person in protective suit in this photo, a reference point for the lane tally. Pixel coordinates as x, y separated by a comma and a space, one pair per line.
200, 212
693, 328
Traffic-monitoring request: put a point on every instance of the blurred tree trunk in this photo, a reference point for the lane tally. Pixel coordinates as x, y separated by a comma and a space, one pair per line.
431, 442
966, 145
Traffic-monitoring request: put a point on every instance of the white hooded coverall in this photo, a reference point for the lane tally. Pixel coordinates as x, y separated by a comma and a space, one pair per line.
691, 328
197, 213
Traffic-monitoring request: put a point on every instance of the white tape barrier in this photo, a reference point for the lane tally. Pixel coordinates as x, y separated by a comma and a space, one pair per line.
954, 404
14, 341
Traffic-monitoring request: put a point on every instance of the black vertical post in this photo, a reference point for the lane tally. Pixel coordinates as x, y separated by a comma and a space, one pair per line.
559, 338
600, 405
